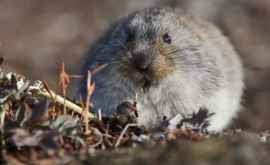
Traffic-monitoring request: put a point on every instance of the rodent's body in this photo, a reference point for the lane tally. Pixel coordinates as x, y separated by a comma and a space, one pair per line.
183, 63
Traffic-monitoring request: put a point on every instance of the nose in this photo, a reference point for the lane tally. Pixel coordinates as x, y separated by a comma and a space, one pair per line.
141, 62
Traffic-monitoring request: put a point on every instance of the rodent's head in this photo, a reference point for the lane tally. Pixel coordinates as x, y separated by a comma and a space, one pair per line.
153, 43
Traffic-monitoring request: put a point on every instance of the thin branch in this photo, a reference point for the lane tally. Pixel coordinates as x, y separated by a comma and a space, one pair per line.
123, 133
59, 99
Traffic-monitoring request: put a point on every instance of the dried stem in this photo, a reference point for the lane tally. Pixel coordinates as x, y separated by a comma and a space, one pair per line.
88, 104
59, 99
64, 81
123, 133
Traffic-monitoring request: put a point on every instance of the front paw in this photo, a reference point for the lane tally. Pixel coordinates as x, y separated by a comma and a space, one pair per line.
198, 122
126, 112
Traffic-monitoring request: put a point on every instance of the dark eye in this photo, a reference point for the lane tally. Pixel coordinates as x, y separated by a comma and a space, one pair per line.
167, 38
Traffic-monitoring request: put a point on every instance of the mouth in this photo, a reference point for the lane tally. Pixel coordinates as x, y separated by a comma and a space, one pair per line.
146, 83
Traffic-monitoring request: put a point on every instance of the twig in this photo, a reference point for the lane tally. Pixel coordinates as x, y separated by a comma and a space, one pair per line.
59, 99
107, 136
100, 141
123, 133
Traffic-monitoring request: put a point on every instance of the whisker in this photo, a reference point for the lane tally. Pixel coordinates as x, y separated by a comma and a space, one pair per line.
175, 51
194, 48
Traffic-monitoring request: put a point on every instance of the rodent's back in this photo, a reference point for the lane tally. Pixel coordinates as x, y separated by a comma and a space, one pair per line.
215, 40
228, 97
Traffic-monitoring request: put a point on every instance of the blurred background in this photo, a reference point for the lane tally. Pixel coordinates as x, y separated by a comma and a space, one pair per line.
36, 36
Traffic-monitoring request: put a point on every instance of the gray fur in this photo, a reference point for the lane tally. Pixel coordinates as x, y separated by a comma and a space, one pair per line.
206, 70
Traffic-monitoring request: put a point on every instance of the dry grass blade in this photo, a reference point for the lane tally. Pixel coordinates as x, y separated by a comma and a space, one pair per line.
88, 104
64, 81
64, 78
90, 86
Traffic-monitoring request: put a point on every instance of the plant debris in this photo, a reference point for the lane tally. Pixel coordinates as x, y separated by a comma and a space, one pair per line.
39, 126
